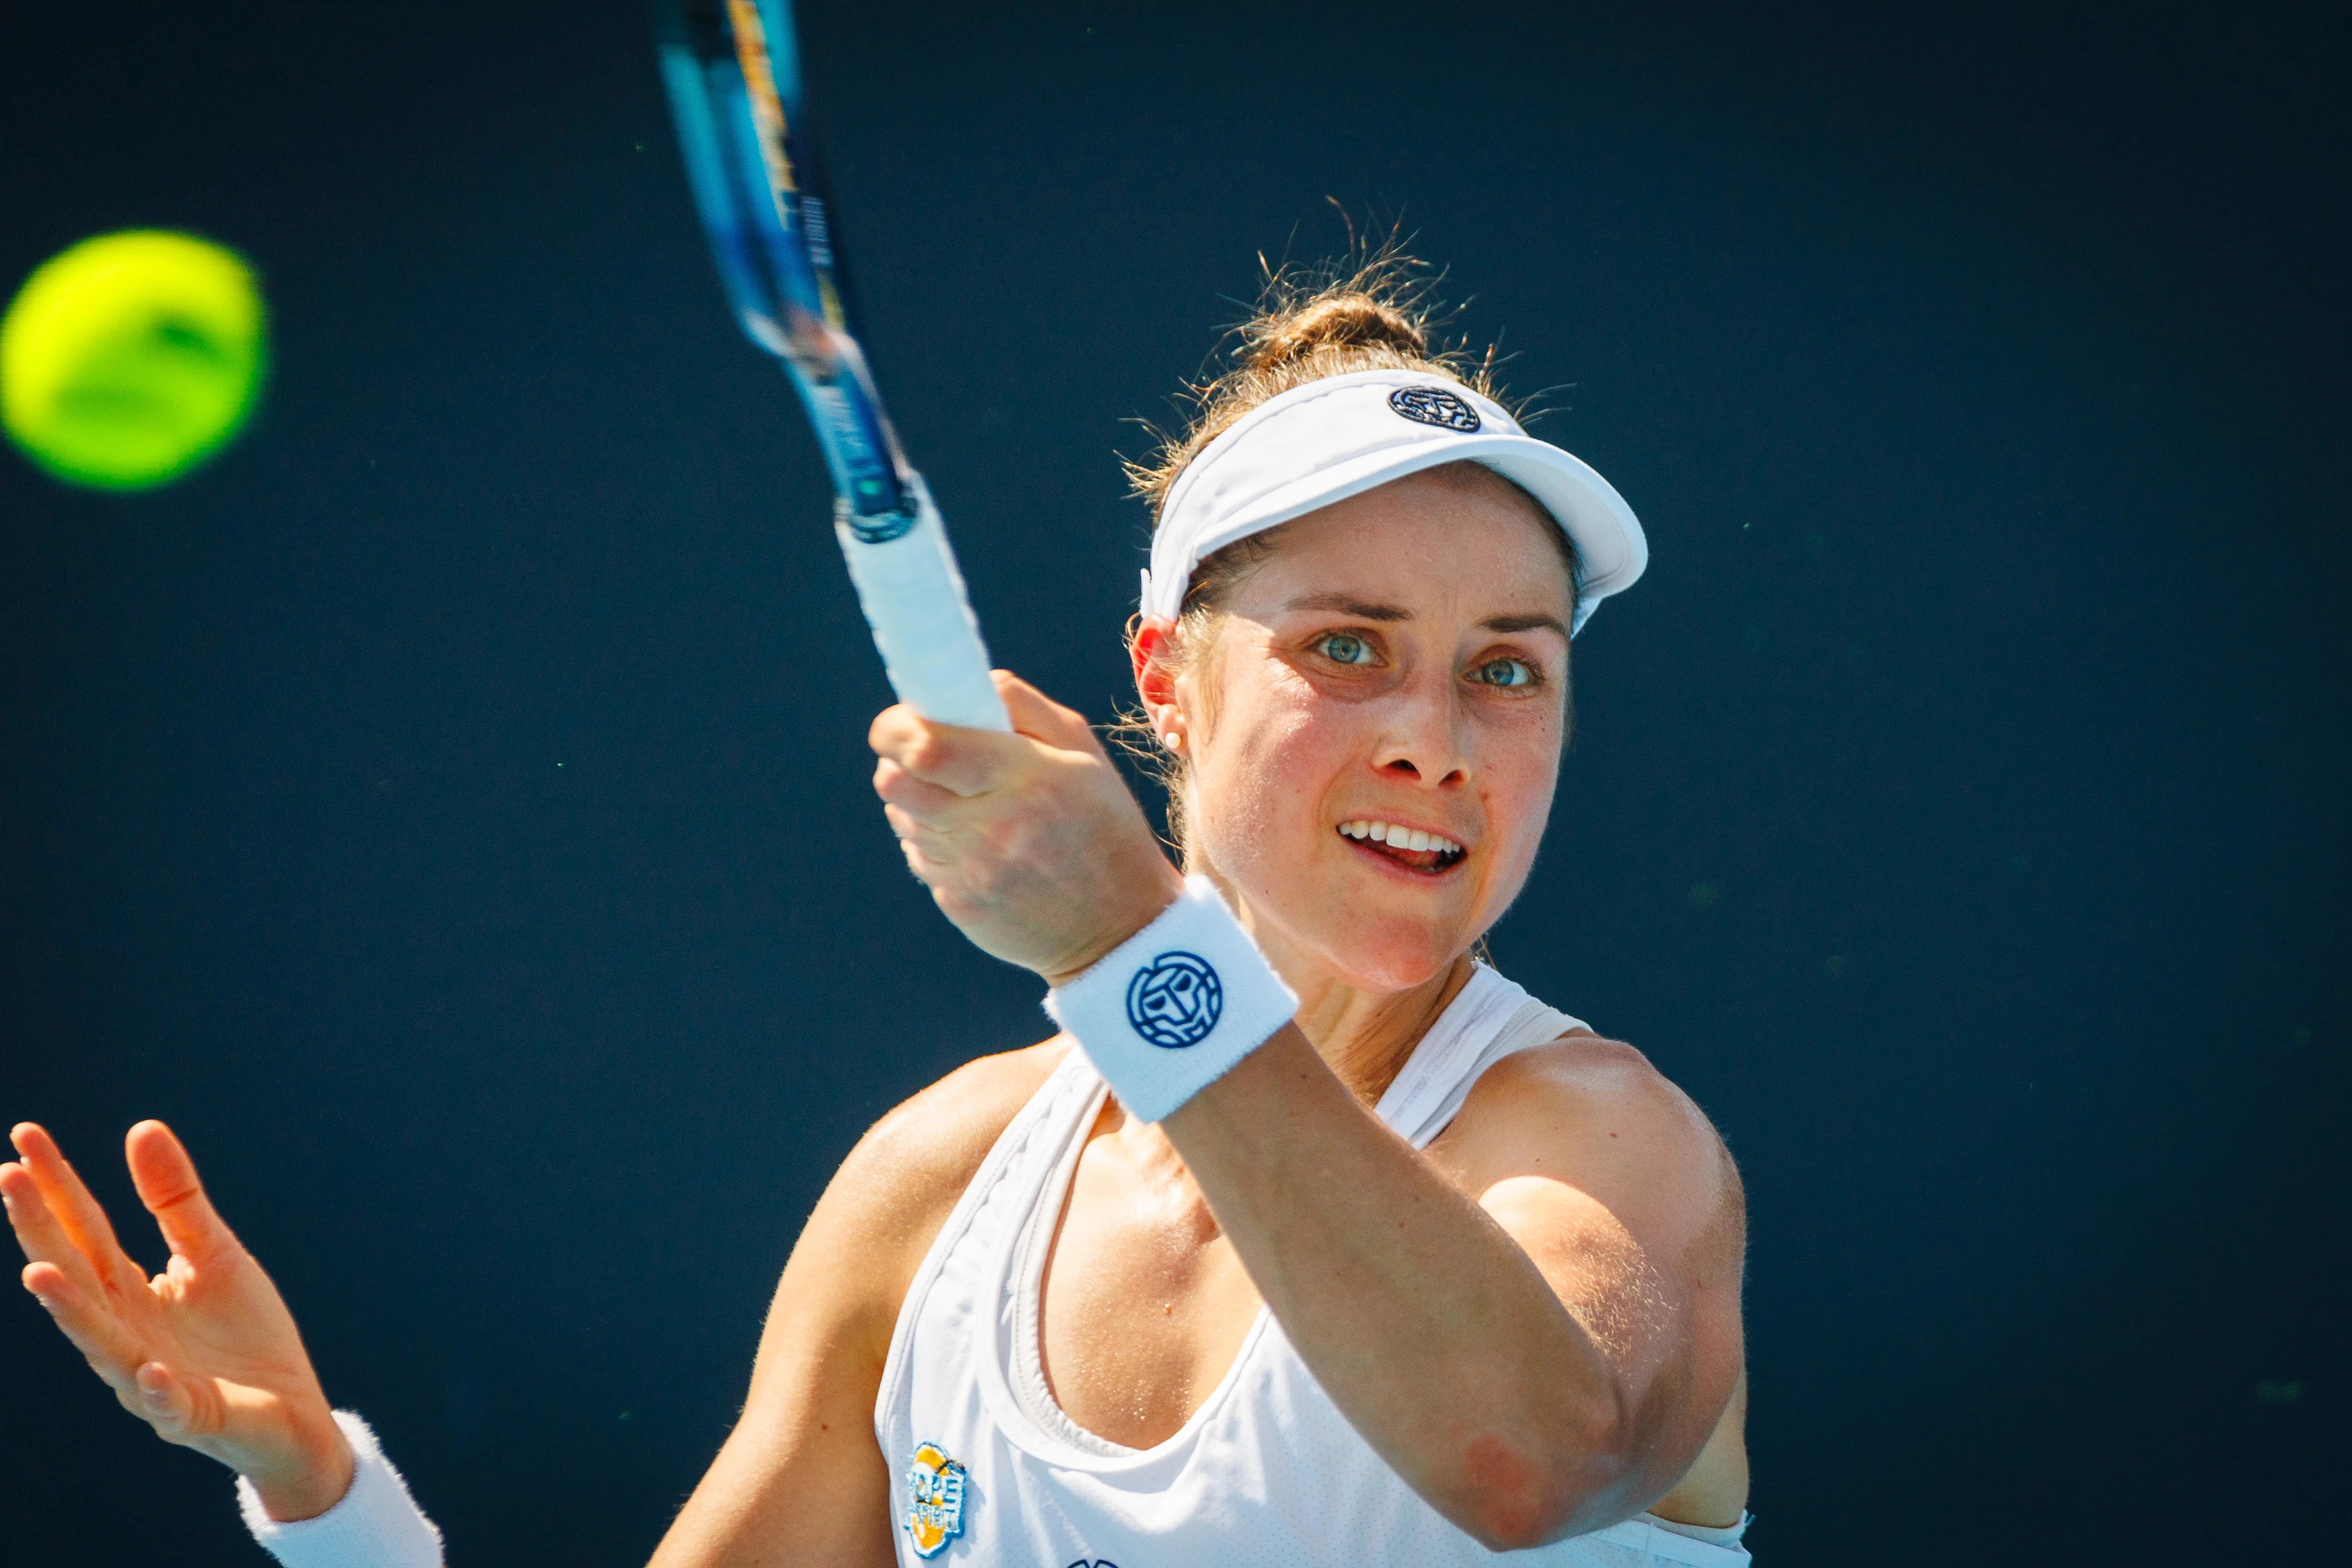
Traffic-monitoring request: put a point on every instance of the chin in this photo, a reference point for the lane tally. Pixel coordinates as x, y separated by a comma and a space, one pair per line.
1395, 960
1376, 931
1377, 950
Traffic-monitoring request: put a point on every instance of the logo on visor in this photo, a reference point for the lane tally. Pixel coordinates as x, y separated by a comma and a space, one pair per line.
1434, 406
1175, 1000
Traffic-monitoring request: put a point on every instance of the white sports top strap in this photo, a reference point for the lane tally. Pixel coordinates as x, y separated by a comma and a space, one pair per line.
1490, 1019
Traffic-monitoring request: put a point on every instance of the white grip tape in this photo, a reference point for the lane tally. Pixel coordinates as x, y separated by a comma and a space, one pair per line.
1175, 1005
376, 1525
914, 599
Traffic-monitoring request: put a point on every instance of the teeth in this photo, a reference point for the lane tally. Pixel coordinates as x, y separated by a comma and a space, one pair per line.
1405, 839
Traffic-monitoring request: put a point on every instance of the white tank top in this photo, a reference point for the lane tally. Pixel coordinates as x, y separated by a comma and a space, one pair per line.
986, 1469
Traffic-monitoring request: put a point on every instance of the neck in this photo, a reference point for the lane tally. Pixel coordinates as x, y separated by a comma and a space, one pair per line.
1364, 1035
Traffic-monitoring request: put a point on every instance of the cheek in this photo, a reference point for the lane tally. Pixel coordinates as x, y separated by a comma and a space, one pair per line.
1521, 771
1518, 808
1260, 782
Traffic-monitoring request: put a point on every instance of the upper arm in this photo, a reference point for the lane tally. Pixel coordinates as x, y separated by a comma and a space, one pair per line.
800, 1478
1623, 1196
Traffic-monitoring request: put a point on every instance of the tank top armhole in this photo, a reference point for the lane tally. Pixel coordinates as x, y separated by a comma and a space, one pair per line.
1033, 1392
1712, 1534
1004, 1150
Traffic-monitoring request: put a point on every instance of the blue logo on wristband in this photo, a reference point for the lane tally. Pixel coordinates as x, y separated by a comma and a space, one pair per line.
1175, 1000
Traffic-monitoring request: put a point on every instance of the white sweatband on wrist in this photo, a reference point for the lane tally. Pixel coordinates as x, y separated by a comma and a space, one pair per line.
376, 1525
1175, 1005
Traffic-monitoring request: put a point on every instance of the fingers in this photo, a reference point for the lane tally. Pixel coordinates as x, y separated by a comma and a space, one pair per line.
38, 1231
967, 763
60, 1272
918, 800
167, 1184
60, 1278
54, 1267
928, 868
1039, 716
917, 839
167, 1401
45, 1241
74, 1211
50, 1260
923, 815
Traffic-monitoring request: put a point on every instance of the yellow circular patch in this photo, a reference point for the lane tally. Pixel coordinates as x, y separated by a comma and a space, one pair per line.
131, 358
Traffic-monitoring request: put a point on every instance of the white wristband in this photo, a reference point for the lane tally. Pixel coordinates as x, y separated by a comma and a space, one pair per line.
1175, 1005
376, 1525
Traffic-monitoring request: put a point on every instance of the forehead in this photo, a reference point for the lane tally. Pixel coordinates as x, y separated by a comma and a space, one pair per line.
1461, 538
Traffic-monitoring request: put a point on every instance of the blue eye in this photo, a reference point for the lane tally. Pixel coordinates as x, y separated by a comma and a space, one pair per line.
1347, 648
1503, 672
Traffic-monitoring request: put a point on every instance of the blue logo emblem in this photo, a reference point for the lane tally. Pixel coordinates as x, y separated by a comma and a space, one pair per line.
935, 1491
1434, 406
1174, 1001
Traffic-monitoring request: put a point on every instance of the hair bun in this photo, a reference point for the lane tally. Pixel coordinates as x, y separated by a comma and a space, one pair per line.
1373, 309
1348, 319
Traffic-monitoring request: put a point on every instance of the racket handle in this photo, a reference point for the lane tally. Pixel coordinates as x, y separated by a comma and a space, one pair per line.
914, 599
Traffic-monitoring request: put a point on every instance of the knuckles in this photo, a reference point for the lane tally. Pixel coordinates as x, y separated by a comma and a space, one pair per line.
1008, 833
890, 782
925, 753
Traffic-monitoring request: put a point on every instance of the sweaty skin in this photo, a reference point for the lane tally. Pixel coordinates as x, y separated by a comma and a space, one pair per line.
1535, 1320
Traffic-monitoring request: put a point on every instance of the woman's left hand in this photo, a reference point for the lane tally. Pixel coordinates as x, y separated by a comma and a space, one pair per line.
1031, 842
205, 1352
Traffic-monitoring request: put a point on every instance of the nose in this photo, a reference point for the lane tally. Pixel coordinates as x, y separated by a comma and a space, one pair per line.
1425, 738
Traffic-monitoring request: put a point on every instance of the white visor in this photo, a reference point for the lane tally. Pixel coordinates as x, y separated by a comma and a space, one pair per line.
1340, 436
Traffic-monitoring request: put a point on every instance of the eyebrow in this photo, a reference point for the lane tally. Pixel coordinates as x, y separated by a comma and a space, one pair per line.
1525, 624
1363, 610
1340, 604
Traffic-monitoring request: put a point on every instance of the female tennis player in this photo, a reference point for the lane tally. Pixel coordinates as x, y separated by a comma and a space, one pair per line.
1309, 1239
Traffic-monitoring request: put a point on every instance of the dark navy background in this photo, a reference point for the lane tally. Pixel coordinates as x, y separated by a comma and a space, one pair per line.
449, 809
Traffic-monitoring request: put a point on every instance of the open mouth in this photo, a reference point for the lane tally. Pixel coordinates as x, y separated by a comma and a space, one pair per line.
1413, 848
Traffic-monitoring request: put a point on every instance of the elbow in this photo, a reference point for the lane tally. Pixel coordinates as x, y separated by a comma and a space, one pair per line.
1515, 1499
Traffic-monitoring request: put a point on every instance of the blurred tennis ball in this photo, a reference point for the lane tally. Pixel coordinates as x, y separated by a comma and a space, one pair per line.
129, 359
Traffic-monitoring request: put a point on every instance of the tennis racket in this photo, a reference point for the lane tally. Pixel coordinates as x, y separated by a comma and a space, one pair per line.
732, 69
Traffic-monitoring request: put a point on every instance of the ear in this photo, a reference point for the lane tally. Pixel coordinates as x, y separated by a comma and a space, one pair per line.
1152, 652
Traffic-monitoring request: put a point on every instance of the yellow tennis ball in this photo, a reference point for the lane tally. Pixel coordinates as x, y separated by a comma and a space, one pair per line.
131, 358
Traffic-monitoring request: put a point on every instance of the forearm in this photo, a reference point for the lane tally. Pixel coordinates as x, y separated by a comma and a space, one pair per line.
1427, 1325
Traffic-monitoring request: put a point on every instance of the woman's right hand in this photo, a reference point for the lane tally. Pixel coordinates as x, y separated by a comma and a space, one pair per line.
205, 1352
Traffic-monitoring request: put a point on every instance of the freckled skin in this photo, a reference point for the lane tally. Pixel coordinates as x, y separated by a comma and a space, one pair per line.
1534, 1322
1493, 1467
1300, 743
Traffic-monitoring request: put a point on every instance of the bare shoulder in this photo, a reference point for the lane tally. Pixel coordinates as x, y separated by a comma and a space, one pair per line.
898, 1185
800, 1474
838, 1300
1598, 1114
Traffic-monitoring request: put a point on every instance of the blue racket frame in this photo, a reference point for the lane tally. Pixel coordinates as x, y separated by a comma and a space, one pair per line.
732, 69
